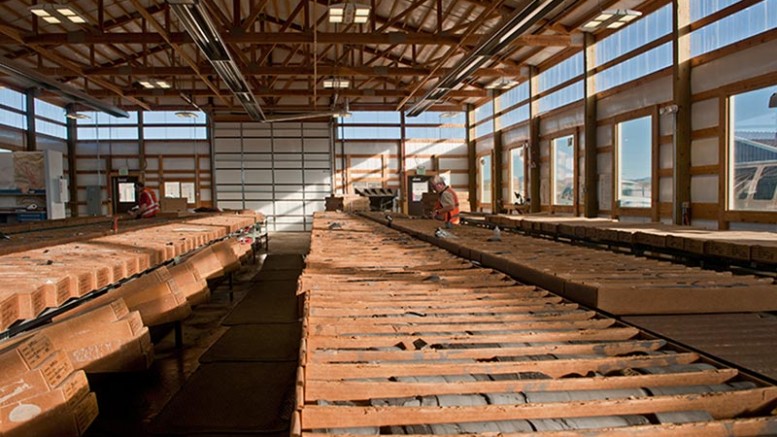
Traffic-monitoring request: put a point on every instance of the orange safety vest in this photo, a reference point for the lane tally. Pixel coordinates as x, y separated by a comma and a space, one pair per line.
149, 203
451, 216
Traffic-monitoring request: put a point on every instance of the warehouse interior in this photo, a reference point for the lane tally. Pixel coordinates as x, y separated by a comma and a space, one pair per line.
225, 218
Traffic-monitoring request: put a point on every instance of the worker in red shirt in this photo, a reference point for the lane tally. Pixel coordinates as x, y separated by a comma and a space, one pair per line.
447, 206
148, 205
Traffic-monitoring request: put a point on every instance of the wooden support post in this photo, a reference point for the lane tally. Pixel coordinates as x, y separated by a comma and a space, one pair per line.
682, 98
498, 161
534, 144
402, 164
71, 163
30, 139
472, 159
590, 193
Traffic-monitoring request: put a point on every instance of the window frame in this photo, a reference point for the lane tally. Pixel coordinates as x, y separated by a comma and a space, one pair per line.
554, 170
480, 180
728, 161
523, 148
617, 165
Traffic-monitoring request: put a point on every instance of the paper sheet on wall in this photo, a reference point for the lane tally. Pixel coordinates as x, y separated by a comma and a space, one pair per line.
28, 171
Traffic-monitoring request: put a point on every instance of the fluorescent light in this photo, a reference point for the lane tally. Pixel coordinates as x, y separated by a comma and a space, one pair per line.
154, 83
349, 13
336, 83
612, 19
185, 114
57, 14
78, 116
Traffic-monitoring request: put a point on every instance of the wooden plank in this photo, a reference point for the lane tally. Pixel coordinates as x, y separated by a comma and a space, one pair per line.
352, 390
431, 318
552, 368
319, 342
722, 405
610, 348
495, 309
720, 428
380, 306
411, 328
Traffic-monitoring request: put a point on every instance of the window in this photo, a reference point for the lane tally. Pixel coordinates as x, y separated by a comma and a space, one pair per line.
170, 117
561, 72
49, 111
108, 133
752, 173
562, 97
634, 140
370, 133
13, 99
518, 174
484, 172
736, 27
483, 114
563, 151
193, 132
513, 97
515, 116
181, 189
645, 30
12, 119
640, 65
372, 117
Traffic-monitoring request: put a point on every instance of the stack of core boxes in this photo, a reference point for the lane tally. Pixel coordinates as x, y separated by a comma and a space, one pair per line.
41, 394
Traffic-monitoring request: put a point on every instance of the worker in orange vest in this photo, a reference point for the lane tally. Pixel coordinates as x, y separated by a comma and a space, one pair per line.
447, 206
148, 205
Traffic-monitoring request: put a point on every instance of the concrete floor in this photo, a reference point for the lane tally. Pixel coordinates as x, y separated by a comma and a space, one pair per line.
129, 401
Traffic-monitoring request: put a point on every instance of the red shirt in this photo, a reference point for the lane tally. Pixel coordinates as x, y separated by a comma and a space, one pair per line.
148, 203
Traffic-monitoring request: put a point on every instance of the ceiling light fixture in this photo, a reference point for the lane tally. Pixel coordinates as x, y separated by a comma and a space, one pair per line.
57, 14
69, 93
773, 101
611, 19
78, 116
491, 44
336, 83
186, 114
347, 13
155, 83
199, 26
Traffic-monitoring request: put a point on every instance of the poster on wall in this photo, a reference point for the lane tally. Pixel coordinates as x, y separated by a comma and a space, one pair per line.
419, 188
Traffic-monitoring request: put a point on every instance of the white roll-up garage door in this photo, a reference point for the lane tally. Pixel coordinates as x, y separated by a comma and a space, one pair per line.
282, 170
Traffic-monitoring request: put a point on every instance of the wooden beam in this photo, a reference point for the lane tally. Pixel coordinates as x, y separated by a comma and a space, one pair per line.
590, 183
682, 99
534, 145
269, 92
